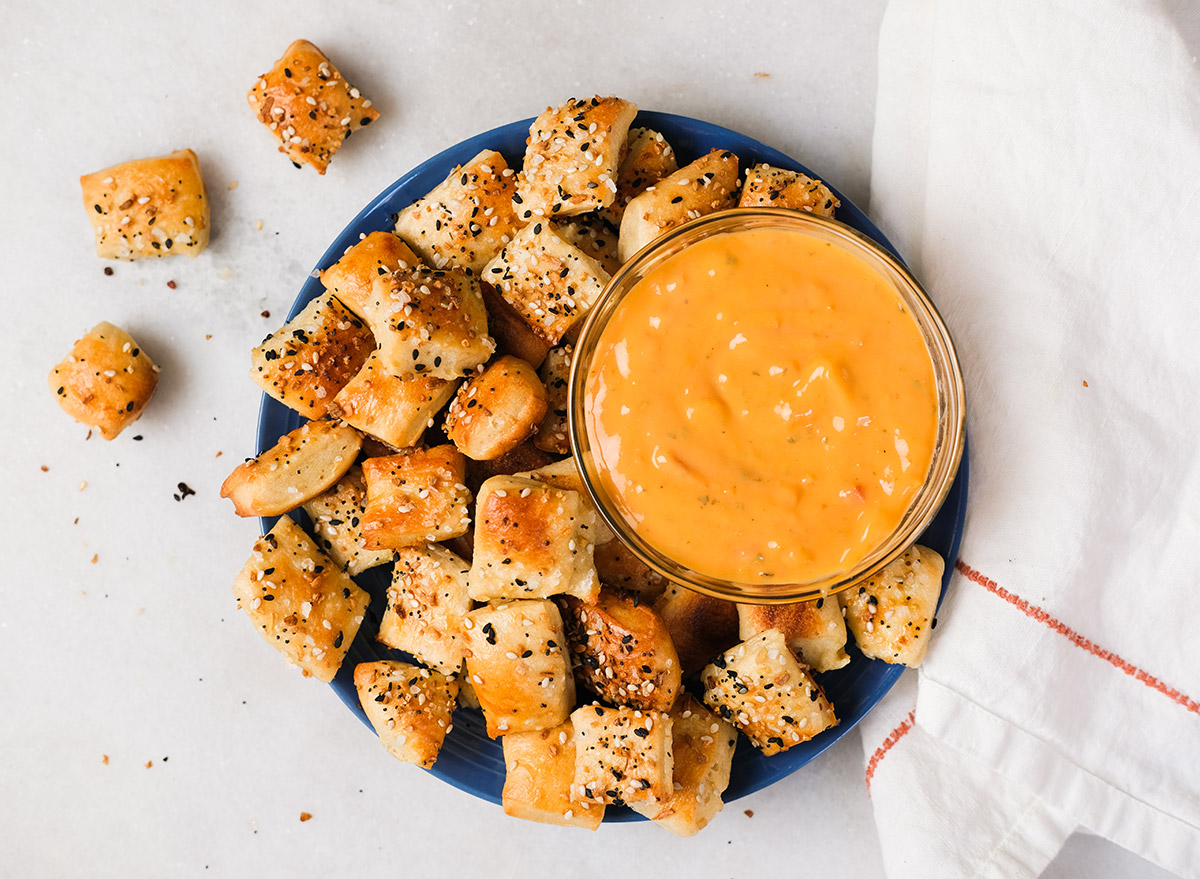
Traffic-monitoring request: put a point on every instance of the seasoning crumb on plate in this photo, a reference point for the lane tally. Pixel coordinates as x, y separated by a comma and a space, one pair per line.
305, 816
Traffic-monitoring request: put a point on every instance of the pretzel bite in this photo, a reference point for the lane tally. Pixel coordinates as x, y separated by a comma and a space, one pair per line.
296, 469
408, 706
622, 755
701, 626
571, 158
426, 605
549, 282
648, 159
309, 359
552, 435
396, 410
303, 604
531, 541
429, 322
352, 278
336, 516
703, 746
774, 187
517, 663
537, 785
759, 686
414, 497
621, 651
891, 614
148, 208
593, 236
308, 106
497, 409
467, 218
106, 381
707, 185
815, 630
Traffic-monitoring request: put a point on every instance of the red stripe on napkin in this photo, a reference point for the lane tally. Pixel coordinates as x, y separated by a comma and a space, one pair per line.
1075, 638
894, 736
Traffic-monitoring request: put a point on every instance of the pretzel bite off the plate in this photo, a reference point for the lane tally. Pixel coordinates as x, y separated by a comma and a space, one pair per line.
409, 707
414, 497
465, 219
148, 208
761, 688
106, 381
496, 410
571, 158
622, 755
539, 772
426, 605
891, 613
532, 540
308, 106
301, 602
517, 662
309, 359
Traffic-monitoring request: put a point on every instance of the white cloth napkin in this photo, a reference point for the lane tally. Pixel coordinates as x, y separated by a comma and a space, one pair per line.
1038, 162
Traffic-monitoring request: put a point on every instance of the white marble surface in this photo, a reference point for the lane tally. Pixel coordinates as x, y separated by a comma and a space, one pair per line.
118, 635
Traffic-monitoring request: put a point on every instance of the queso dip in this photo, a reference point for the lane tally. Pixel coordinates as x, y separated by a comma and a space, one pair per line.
761, 407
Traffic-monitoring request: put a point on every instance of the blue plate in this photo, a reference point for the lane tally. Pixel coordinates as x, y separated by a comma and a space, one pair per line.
469, 760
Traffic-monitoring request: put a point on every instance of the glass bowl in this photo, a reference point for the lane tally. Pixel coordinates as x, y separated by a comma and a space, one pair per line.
948, 385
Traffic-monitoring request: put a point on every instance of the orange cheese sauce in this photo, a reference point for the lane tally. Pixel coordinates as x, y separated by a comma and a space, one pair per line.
762, 407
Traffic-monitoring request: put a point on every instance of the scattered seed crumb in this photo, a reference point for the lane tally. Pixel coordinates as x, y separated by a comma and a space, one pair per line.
165, 759
45, 468
266, 313
108, 270
219, 454
232, 185
88, 437
184, 491
138, 438
83, 485
105, 759
207, 336
749, 813
761, 75
95, 558
1085, 384
258, 225
305, 816
149, 763
76, 522
172, 284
